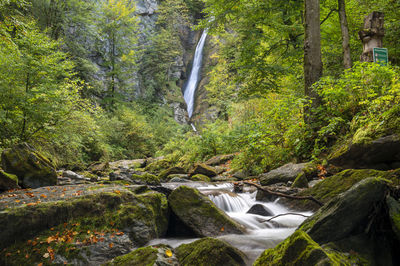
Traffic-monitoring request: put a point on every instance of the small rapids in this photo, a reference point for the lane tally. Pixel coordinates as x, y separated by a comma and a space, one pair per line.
262, 234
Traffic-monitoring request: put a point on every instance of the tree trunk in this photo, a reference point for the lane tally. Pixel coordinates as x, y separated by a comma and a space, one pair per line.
345, 34
312, 54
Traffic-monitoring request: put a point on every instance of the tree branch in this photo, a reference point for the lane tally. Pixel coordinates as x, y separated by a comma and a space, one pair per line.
284, 214
285, 195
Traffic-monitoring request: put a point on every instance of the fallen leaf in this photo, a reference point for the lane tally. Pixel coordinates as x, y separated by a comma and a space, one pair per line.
111, 245
120, 233
27, 256
17, 201
43, 196
46, 255
222, 229
168, 253
40, 264
31, 204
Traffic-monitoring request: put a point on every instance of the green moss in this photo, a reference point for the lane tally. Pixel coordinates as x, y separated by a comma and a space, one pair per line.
170, 171
8, 181
340, 150
142, 256
117, 182
208, 252
157, 166
147, 178
200, 177
300, 181
300, 249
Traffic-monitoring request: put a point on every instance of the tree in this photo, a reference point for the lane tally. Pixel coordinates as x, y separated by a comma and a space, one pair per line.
345, 34
117, 42
312, 53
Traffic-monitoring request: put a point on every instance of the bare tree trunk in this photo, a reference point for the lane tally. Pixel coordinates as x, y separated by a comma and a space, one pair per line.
345, 34
312, 54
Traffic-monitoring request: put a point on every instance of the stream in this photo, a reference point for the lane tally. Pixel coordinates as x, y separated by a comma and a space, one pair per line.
261, 235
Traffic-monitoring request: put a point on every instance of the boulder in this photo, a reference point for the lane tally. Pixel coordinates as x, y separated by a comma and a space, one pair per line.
201, 168
200, 214
394, 215
382, 153
32, 168
260, 209
300, 181
8, 181
220, 159
149, 256
157, 166
146, 178
99, 168
200, 177
211, 252
177, 179
347, 214
170, 171
283, 174
128, 164
300, 249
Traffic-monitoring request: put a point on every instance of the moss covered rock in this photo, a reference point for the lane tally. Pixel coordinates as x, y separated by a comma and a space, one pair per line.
220, 159
200, 214
300, 249
147, 256
146, 178
394, 215
346, 214
200, 177
171, 171
8, 181
142, 217
283, 174
209, 252
300, 181
203, 169
32, 168
157, 166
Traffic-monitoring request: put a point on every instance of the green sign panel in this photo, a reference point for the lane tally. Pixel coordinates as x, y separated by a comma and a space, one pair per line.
381, 56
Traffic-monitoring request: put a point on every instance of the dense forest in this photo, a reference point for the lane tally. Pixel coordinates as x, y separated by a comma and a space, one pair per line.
295, 125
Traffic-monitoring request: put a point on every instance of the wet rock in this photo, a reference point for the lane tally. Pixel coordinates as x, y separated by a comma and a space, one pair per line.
170, 171
300, 249
283, 174
240, 175
220, 159
346, 214
300, 181
200, 214
260, 210
73, 175
379, 154
32, 168
211, 252
265, 196
201, 168
200, 177
150, 256
179, 180
8, 181
394, 215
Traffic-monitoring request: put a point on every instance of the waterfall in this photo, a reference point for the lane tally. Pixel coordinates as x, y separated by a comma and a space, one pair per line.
193, 80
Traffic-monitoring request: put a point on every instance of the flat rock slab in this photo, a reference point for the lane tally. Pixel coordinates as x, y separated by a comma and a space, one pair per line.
283, 174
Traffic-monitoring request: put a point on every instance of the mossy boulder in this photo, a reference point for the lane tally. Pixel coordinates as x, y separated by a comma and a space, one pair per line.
147, 256
157, 166
300, 249
220, 159
209, 252
381, 153
171, 171
8, 181
32, 168
347, 214
128, 164
394, 215
203, 169
200, 214
283, 174
200, 177
300, 181
146, 178
143, 217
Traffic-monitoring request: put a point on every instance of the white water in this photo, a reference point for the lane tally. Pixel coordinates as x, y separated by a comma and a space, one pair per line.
260, 235
193, 80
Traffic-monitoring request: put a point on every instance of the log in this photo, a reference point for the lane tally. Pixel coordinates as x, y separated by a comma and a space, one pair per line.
285, 195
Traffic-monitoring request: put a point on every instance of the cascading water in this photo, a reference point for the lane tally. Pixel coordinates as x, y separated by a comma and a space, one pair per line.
191, 85
261, 234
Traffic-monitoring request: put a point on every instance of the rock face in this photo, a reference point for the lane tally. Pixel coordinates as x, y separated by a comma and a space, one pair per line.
33, 169
260, 210
8, 181
283, 174
149, 256
203, 169
347, 214
382, 154
200, 214
211, 252
300, 249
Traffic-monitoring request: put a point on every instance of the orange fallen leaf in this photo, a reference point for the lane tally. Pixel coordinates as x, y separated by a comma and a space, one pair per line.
43, 196
168, 253
120, 233
8, 254
17, 201
27, 256
222, 229
31, 204
111, 245
40, 264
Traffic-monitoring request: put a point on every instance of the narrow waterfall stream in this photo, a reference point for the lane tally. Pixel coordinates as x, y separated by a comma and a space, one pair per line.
193, 81
261, 234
